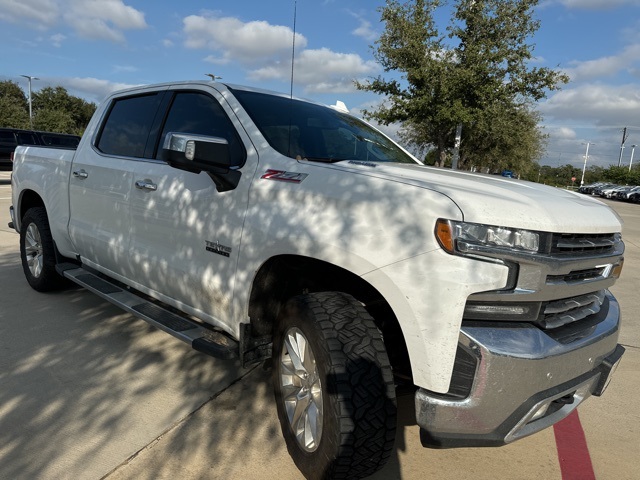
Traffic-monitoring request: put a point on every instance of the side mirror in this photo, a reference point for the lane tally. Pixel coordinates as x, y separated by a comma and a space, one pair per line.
197, 152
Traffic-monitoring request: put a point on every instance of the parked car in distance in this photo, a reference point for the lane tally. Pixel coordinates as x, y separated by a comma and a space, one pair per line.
613, 191
626, 194
10, 138
588, 189
601, 188
634, 197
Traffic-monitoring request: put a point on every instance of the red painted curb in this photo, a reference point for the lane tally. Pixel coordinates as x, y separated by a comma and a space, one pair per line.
573, 452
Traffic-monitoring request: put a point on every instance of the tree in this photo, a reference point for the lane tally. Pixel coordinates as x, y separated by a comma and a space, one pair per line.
52, 107
55, 110
477, 74
14, 109
54, 120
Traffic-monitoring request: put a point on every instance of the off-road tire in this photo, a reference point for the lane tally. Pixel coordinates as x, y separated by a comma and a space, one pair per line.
356, 381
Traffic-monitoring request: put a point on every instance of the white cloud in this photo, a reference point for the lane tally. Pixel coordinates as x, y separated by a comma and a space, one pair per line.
57, 39
604, 66
93, 19
249, 43
595, 103
320, 71
103, 19
598, 4
593, 113
92, 89
40, 14
111, 11
564, 133
265, 50
365, 30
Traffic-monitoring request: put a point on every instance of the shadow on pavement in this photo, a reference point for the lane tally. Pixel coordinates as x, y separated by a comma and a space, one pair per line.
83, 385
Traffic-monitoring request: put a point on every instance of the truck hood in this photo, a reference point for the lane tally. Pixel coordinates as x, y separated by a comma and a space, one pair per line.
505, 201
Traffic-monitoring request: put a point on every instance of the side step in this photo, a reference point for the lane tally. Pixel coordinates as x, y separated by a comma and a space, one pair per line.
201, 338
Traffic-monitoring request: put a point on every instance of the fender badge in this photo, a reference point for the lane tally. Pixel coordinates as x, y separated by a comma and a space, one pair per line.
218, 248
282, 176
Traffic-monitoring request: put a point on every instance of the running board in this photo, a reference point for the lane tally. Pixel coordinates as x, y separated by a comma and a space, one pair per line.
201, 338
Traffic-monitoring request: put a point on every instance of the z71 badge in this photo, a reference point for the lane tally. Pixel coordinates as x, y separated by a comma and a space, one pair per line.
282, 176
218, 248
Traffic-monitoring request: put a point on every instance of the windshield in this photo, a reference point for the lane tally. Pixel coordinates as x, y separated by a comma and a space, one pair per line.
306, 131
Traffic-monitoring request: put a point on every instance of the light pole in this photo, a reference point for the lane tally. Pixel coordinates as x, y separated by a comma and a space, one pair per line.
633, 147
586, 156
28, 77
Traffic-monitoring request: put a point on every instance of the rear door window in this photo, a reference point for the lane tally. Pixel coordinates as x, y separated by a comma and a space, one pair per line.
126, 129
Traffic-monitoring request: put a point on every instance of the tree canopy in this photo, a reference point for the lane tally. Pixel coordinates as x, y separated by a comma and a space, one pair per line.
476, 73
53, 109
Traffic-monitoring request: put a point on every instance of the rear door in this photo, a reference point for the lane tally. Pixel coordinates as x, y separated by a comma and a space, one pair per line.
101, 182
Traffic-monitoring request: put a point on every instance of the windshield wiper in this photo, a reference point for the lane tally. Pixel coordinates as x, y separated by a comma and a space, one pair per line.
323, 159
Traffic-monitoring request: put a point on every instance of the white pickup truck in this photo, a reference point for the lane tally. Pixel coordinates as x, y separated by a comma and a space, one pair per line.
261, 227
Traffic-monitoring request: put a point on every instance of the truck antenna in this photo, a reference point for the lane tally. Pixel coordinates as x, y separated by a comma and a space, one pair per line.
293, 47
293, 56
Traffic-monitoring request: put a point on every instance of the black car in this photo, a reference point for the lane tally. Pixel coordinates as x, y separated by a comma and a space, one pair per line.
10, 138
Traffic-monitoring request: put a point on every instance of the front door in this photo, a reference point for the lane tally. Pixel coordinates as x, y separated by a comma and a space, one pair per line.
185, 235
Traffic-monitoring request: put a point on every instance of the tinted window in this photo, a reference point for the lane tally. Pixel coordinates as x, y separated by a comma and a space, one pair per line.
60, 140
27, 138
315, 132
197, 113
7, 138
126, 129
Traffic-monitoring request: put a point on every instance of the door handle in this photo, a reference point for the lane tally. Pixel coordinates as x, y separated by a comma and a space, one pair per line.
82, 174
146, 185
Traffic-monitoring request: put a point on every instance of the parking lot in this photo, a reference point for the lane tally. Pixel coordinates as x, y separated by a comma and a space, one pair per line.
89, 392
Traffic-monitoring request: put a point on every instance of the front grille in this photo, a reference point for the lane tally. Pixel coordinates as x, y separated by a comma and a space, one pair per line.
583, 244
562, 312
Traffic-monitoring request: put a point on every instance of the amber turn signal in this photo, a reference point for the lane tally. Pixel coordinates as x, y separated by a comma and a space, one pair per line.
444, 235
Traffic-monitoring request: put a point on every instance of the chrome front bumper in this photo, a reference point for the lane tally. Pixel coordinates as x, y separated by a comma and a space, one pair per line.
526, 379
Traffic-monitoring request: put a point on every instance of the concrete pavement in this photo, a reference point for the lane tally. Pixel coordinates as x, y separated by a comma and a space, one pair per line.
88, 392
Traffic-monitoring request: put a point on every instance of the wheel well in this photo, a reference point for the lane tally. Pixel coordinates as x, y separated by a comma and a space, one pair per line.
29, 199
286, 276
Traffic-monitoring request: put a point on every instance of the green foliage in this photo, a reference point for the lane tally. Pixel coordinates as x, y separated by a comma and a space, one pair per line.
561, 176
53, 109
53, 120
476, 74
14, 109
622, 175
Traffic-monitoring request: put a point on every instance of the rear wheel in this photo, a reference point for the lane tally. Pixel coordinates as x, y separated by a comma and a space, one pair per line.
334, 387
37, 251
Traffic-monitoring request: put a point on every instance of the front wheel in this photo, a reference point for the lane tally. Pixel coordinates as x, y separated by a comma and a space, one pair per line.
333, 386
37, 251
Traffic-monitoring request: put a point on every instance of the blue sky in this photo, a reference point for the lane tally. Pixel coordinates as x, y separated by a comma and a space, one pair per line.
92, 47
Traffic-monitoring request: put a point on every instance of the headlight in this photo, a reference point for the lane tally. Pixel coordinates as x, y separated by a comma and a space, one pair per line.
460, 236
